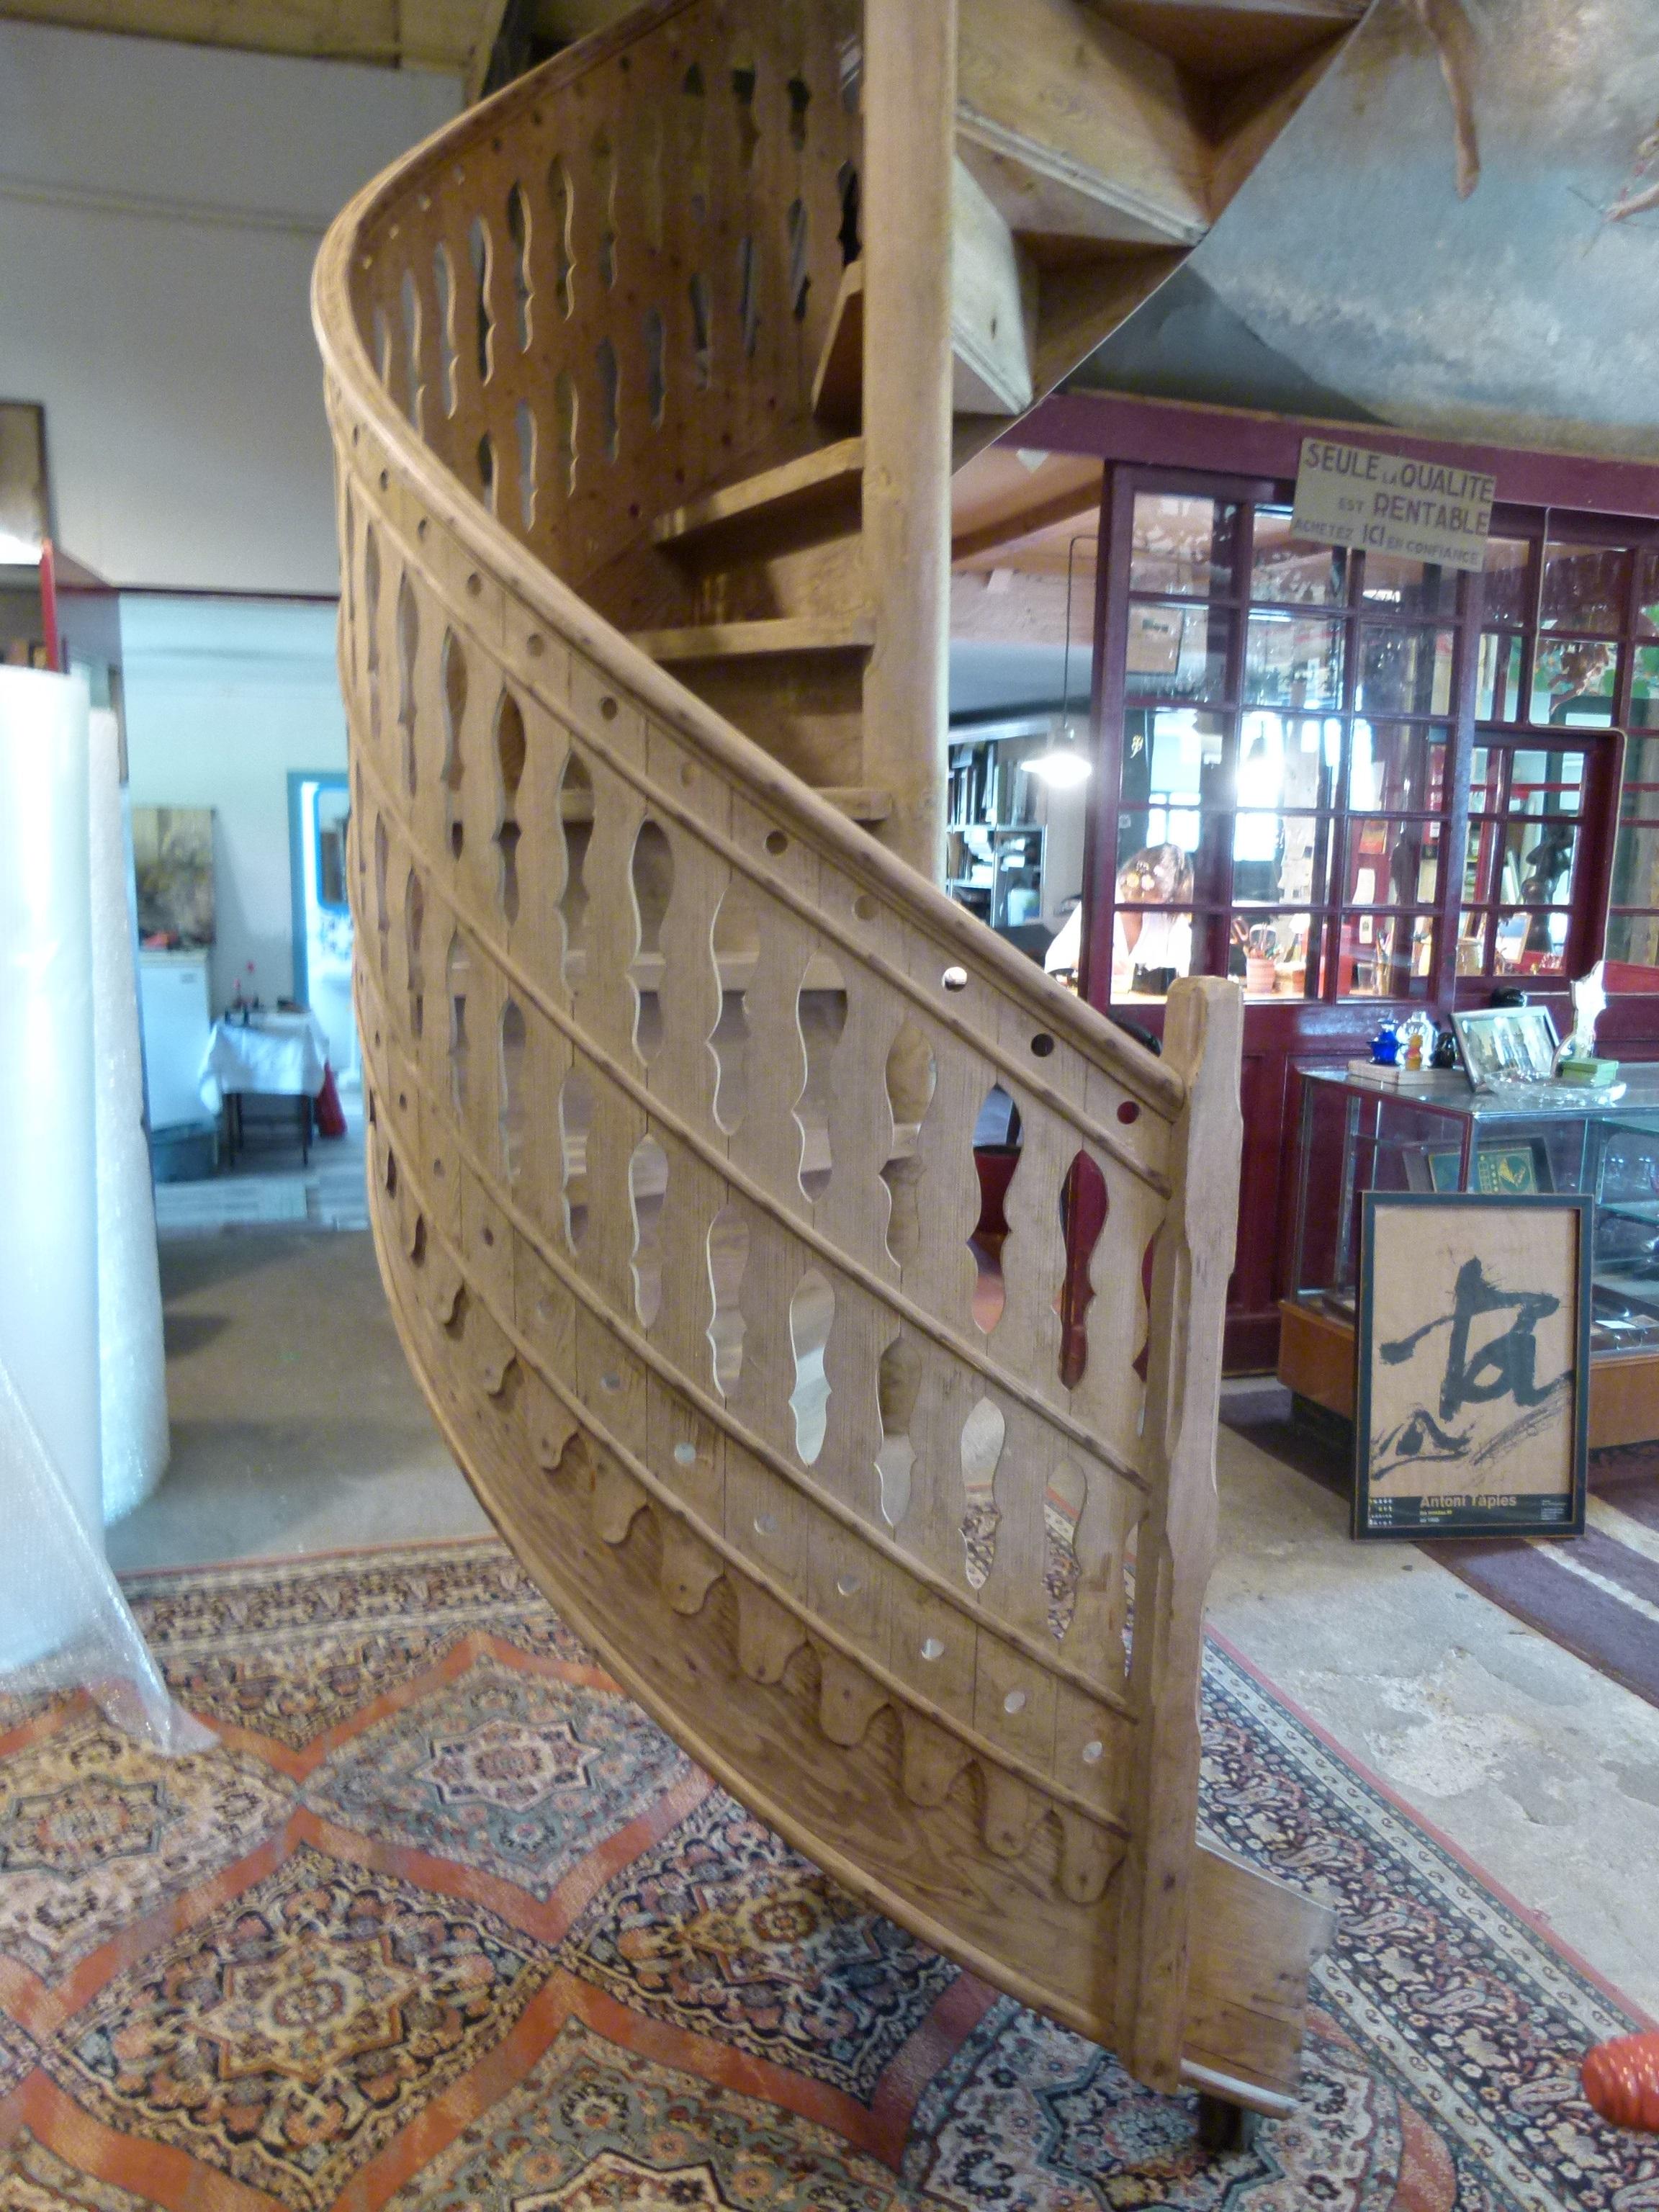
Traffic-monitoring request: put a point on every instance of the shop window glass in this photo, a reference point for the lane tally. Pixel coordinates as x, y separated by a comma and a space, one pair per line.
1647, 592
1292, 661
1538, 858
1291, 571
1173, 762
1396, 768
1158, 829
1528, 944
1480, 861
1573, 683
1384, 956
1176, 652
1152, 944
1634, 938
1472, 942
1286, 760
1639, 798
1393, 863
1506, 592
1484, 783
1181, 547
1645, 688
1545, 782
1585, 588
1408, 587
1498, 678
1270, 955
1274, 857
1405, 672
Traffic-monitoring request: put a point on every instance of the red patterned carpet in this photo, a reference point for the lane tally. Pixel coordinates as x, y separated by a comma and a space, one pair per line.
444, 1922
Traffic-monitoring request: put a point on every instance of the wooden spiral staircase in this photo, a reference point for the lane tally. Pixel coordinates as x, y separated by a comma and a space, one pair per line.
647, 379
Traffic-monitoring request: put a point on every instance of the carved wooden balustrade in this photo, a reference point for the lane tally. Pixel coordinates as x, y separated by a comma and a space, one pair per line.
673, 1076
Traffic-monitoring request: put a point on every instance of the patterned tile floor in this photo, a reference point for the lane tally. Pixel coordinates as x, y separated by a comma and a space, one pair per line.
443, 1922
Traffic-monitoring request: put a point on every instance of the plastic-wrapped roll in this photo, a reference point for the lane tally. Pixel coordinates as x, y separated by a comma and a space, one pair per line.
48, 1161
132, 1363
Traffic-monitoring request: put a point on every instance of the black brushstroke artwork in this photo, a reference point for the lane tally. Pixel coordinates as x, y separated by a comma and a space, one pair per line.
1504, 1366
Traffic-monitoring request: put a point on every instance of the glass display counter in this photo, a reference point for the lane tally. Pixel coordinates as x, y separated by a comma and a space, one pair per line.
1435, 1133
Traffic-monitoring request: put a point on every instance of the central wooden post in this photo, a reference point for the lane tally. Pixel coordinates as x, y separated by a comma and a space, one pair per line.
910, 136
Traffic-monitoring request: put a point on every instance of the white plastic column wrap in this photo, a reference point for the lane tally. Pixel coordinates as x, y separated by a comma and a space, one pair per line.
132, 1365
62, 1620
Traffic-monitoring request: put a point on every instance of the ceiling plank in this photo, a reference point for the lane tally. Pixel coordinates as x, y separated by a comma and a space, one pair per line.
329, 30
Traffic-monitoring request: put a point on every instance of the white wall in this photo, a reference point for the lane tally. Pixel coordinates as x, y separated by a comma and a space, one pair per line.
223, 698
161, 207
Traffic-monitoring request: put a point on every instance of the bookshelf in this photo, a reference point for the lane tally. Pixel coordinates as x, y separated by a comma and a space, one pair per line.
995, 834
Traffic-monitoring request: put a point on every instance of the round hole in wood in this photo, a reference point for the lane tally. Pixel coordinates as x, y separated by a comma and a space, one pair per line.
766, 1524
385, 479
422, 528
1014, 1702
489, 1236
535, 645
931, 1648
849, 1585
865, 907
685, 1454
1128, 1110
438, 1169
1092, 1752
474, 585
608, 708
403, 1096
1042, 1044
776, 842
955, 979
611, 1383
356, 432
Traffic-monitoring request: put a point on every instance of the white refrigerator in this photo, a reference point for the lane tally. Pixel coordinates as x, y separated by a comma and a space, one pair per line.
172, 1001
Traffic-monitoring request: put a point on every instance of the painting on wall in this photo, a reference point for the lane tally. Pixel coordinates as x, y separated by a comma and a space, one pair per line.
24, 522
1473, 1372
172, 866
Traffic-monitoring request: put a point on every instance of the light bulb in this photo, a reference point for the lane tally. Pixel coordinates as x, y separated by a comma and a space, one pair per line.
1062, 769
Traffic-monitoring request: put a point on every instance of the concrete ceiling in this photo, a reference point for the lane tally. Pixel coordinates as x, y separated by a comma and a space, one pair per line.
1348, 278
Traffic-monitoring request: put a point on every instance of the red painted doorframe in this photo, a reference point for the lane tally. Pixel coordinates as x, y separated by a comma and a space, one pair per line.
1283, 1039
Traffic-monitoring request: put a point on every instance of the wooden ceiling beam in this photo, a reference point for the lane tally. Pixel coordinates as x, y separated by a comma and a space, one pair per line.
330, 30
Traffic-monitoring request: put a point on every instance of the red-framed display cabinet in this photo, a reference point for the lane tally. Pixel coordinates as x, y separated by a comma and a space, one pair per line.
1364, 786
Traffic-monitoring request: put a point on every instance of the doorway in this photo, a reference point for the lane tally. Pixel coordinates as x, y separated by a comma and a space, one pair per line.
320, 811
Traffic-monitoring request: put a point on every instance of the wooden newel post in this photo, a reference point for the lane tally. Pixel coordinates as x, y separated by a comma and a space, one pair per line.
1203, 1032
909, 139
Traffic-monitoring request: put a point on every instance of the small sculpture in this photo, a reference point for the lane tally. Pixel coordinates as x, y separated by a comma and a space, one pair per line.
1575, 1060
1385, 1045
1589, 1003
1416, 1042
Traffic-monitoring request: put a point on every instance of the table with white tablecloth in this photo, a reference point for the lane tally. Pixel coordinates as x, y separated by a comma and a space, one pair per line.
276, 1055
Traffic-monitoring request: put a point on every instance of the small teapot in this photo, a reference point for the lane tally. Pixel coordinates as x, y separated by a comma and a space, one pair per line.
1385, 1045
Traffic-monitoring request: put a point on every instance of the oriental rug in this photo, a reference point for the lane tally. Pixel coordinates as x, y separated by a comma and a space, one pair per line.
1597, 1595
443, 1922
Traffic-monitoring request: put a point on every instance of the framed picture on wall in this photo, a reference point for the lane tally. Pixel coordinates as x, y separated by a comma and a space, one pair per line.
1472, 1407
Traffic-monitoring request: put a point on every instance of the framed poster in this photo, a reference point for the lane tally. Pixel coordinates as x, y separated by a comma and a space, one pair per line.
1512, 1041
1472, 1400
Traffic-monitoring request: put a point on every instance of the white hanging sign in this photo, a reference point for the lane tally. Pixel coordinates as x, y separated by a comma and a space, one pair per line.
1386, 504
